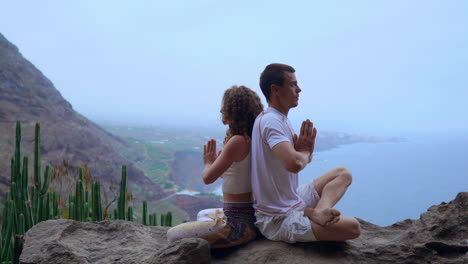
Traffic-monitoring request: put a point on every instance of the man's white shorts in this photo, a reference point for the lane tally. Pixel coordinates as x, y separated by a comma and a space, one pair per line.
294, 226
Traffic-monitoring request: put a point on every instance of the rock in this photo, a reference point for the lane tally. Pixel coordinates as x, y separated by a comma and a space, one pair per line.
69, 241
184, 251
439, 236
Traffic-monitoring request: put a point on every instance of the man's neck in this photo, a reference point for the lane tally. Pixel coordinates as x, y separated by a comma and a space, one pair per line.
279, 108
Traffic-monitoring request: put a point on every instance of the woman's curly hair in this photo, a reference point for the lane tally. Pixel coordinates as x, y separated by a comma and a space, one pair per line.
239, 108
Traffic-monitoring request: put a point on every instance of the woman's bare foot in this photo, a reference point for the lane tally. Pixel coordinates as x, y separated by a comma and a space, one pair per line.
323, 217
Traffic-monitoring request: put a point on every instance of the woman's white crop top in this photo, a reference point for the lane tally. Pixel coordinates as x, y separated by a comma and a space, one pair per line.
236, 179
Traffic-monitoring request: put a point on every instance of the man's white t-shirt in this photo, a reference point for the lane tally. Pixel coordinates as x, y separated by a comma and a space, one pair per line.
274, 188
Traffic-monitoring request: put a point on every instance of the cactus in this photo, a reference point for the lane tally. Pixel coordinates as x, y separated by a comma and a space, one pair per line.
99, 204
21, 224
56, 211
23, 204
80, 212
152, 219
40, 190
169, 218
123, 194
86, 207
8, 234
39, 205
79, 201
17, 149
85, 212
72, 211
144, 219
37, 156
130, 214
46, 208
96, 201
26, 205
18, 247
71, 201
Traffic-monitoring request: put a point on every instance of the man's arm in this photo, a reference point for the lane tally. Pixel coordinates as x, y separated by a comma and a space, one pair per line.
295, 158
293, 161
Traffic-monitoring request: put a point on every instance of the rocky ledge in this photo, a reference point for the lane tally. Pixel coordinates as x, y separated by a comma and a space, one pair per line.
439, 236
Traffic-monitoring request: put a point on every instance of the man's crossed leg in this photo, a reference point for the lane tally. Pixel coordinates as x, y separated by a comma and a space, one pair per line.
327, 222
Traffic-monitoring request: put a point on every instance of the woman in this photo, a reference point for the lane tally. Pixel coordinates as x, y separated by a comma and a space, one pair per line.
240, 107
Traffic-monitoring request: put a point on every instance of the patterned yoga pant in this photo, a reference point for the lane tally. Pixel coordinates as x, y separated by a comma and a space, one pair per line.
234, 228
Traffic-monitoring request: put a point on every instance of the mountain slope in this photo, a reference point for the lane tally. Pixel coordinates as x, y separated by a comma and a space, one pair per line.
27, 95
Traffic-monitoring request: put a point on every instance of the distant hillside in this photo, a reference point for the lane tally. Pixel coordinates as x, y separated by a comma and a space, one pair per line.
173, 157
27, 95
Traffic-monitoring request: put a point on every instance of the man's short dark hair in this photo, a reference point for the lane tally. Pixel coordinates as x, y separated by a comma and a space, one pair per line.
273, 74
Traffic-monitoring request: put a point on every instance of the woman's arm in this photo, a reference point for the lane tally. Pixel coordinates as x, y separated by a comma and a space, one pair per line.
215, 165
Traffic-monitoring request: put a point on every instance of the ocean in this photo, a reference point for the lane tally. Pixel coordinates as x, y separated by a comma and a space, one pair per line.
397, 181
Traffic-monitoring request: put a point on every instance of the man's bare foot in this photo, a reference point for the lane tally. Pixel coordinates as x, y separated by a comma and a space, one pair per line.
323, 217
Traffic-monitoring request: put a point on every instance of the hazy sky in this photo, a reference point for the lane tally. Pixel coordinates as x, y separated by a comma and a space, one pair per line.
375, 67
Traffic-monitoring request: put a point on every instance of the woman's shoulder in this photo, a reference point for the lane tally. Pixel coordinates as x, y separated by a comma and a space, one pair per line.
239, 140
239, 145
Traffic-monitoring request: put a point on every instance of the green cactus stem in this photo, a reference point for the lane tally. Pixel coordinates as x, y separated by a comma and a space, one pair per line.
79, 200
96, 201
130, 214
86, 212
169, 218
151, 220
37, 156
6, 245
21, 226
71, 211
56, 211
17, 148
18, 248
45, 187
144, 219
123, 194
87, 196
99, 204
163, 220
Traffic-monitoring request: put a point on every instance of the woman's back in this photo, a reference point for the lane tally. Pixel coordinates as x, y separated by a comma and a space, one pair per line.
237, 185
236, 179
240, 107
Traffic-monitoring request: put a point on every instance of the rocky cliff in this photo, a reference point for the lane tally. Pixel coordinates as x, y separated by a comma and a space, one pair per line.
440, 235
27, 95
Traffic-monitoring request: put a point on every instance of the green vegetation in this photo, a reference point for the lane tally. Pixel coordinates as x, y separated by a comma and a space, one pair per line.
154, 160
151, 220
25, 205
155, 153
168, 185
178, 215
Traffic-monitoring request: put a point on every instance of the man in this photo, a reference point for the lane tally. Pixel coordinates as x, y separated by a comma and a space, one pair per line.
284, 210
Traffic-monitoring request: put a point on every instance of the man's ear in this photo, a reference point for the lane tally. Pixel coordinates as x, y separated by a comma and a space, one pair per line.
274, 88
